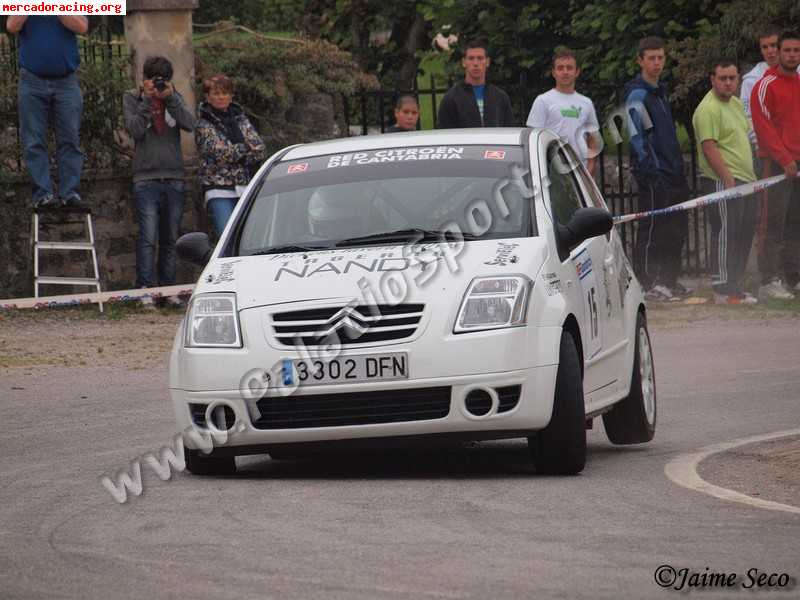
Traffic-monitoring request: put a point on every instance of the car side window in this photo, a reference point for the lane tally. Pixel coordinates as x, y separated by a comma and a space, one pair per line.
565, 197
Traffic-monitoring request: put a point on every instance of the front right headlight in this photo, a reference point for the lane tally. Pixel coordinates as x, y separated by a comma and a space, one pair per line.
494, 303
213, 322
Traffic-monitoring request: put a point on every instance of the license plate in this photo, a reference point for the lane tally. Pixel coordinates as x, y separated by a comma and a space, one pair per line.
346, 369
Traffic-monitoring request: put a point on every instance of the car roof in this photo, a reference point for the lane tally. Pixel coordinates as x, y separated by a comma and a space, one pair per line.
500, 136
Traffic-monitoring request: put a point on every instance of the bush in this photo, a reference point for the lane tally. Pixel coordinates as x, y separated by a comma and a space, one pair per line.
291, 90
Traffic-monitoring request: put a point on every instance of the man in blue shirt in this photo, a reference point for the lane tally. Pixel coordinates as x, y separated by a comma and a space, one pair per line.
48, 87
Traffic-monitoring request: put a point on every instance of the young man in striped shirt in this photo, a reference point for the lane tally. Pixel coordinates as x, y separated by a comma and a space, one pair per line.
726, 161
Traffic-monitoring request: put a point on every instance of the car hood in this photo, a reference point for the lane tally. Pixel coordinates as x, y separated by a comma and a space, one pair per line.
372, 274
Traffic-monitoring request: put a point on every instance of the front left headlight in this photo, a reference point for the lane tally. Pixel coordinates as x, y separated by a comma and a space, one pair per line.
213, 322
494, 303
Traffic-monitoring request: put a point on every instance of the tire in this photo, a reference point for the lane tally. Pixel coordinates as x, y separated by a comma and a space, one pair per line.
633, 419
198, 463
560, 448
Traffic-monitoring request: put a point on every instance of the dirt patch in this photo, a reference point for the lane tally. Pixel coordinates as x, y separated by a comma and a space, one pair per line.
126, 338
770, 470
676, 315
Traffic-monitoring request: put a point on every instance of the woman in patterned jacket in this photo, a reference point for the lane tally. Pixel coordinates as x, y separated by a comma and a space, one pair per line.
230, 149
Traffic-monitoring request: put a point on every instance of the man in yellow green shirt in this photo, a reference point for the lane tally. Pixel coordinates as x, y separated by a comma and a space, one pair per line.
726, 160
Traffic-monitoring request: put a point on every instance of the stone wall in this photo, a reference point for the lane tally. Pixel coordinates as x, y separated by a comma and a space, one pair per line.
115, 236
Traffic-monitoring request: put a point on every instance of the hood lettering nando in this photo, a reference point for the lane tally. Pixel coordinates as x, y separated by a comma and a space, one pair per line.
344, 263
342, 267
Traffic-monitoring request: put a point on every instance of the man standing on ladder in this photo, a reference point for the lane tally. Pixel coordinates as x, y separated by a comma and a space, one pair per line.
48, 88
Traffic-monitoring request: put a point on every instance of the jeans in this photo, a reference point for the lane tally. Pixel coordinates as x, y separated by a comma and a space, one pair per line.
779, 250
159, 208
39, 99
220, 210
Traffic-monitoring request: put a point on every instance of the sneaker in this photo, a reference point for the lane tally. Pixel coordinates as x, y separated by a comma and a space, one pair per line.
76, 203
749, 298
48, 201
174, 302
148, 303
681, 290
660, 293
740, 298
775, 289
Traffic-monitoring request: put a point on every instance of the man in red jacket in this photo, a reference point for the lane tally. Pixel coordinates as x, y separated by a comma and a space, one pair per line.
775, 106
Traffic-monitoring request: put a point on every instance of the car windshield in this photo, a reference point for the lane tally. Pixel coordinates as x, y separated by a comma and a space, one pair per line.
390, 195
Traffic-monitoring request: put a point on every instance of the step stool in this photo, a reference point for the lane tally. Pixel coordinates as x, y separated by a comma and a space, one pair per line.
85, 244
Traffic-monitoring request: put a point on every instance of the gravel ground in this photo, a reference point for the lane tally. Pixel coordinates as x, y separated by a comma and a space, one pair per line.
131, 338
770, 471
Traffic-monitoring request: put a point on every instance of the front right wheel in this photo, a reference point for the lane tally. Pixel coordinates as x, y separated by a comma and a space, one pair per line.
560, 448
633, 419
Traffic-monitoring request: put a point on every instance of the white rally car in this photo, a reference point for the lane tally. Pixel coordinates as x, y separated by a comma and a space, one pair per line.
447, 285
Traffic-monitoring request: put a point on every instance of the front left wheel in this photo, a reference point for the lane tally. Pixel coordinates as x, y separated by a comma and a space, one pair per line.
560, 448
633, 419
198, 463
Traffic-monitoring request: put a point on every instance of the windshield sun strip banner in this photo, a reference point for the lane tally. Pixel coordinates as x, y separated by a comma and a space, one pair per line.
384, 156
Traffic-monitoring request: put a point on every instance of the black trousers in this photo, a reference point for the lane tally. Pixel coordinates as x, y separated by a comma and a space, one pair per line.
733, 225
660, 239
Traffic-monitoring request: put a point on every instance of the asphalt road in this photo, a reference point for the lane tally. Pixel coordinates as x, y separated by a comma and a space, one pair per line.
467, 523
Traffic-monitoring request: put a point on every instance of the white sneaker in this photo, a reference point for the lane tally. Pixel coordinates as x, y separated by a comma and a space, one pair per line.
174, 302
148, 303
660, 293
775, 289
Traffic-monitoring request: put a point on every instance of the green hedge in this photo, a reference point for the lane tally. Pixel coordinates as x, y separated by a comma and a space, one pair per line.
281, 83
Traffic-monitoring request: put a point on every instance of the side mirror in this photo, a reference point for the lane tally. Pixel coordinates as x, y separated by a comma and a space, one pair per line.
585, 223
194, 248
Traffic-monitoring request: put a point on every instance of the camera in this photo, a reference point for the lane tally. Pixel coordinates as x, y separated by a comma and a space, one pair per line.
160, 83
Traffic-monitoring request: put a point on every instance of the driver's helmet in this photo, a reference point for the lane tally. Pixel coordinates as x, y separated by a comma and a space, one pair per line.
336, 214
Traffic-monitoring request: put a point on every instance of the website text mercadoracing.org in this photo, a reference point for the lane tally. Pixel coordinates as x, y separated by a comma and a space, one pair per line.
86, 7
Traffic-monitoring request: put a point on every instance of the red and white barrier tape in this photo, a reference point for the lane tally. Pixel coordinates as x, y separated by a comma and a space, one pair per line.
96, 297
740, 191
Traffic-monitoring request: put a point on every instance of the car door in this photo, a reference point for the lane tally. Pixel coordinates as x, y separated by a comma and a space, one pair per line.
614, 279
586, 262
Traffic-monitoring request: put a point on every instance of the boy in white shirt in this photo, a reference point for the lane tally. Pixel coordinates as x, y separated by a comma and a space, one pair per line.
566, 112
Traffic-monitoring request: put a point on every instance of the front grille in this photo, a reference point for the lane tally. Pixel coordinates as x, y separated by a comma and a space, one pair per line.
508, 397
346, 325
360, 408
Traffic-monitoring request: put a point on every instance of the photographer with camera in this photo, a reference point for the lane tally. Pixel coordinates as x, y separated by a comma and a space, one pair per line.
154, 115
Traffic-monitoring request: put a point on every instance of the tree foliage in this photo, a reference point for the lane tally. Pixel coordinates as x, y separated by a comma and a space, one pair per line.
283, 85
522, 36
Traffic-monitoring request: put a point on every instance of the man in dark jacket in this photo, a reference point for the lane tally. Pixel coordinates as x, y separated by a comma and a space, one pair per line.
473, 102
154, 115
657, 163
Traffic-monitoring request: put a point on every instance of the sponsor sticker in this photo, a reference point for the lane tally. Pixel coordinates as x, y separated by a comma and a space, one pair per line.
495, 154
298, 168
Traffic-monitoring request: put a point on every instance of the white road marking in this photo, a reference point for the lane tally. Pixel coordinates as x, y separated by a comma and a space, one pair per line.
683, 471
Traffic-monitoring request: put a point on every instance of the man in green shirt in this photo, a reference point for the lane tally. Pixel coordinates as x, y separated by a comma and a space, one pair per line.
726, 160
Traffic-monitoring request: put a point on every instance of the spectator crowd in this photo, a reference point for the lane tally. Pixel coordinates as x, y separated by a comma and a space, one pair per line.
746, 128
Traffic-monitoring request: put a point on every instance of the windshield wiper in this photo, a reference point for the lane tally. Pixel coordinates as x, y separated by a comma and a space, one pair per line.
287, 248
407, 235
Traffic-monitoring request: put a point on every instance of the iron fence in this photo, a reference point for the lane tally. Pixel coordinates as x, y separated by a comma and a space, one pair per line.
372, 112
